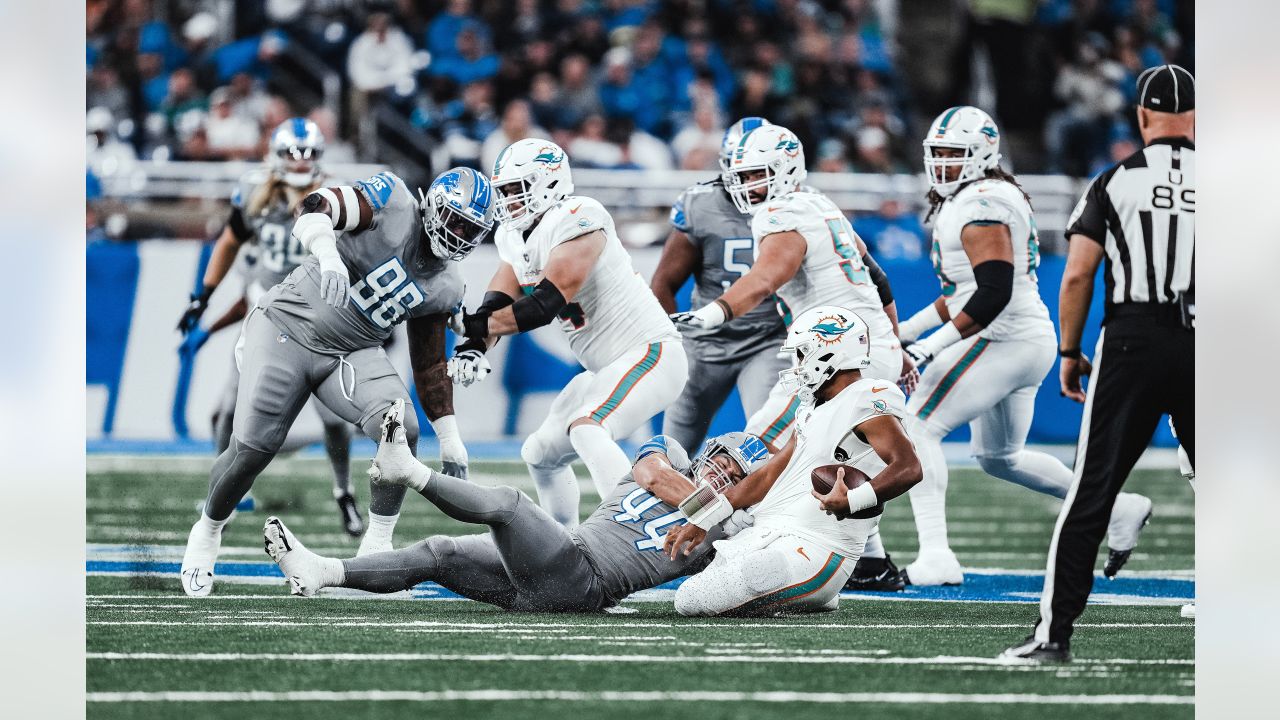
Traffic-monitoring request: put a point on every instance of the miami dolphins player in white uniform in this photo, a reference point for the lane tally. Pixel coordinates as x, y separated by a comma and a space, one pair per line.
320, 333
994, 341
562, 259
797, 555
258, 240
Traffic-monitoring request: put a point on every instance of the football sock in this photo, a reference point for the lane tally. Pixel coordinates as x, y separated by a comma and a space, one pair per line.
929, 496
604, 459
558, 492
337, 445
380, 529
211, 526
874, 549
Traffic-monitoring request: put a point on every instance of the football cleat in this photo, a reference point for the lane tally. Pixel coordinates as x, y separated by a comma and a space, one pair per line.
876, 575
199, 559
1035, 651
1189, 611
934, 567
395, 464
300, 566
350, 514
1130, 514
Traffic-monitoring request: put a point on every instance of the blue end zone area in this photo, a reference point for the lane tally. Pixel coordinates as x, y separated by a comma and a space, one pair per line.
978, 587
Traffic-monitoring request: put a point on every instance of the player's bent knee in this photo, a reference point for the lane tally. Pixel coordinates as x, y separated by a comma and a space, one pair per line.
996, 465
765, 571
536, 452
689, 600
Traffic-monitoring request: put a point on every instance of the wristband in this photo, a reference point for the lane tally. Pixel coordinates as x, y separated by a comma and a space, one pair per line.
706, 508
927, 319
862, 497
1073, 353
445, 427
476, 327
935, 343
712, 314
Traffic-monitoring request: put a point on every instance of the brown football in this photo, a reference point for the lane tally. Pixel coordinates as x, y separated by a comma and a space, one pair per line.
823, 478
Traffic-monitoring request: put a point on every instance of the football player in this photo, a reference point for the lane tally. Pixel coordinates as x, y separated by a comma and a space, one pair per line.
994, 341
263, 207
561, 259
321, 331
711, 240
796, 556
529, 561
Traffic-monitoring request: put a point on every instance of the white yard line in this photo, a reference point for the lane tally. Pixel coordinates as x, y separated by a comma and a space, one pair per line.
622, 696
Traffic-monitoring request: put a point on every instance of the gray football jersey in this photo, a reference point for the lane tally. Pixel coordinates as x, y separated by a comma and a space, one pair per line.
272, 227
394, 276
705, 213
623, 537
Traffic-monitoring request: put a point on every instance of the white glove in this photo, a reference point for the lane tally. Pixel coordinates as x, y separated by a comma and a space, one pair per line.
334, 286
468, 367
740, 520
918, 354
453, 454
704, 318
927, 349
922, 322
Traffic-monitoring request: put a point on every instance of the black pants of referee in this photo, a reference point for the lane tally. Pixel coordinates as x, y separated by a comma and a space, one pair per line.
1145, 367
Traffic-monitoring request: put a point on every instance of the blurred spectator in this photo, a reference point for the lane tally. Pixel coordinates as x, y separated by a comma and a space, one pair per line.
578, 94
336, 150
469, 121
248, 100
755, 97
544, 93
1075, 135
444, 29
592, 148
183, 97
640, 150
832, 156
253, 55
380, 57
106, 91
517, 124
472, 60
871, 154
106, 155
892, 233
229, 136
697, 146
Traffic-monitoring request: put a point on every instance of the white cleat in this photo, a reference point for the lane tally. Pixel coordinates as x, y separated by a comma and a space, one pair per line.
1129, 515
301, 567
199, 559
395, 464
1189, 611
934, 567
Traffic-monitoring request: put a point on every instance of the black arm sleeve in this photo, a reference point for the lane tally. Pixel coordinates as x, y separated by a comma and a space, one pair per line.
239, 228
879, 278
495, 300
995, 287
538, 308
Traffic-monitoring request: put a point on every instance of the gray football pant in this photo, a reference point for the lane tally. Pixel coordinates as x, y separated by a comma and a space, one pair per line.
689, 417
277, 376
337, 432
528, 561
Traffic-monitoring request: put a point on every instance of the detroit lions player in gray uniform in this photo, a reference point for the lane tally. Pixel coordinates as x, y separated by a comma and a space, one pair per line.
257, 241
321, 331
528, 561
711, 240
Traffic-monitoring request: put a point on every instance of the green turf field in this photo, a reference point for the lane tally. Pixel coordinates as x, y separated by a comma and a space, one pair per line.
255, 650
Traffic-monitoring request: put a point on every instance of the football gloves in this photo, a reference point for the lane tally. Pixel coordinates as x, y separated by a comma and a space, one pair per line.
334, 286
191, 316
468, 367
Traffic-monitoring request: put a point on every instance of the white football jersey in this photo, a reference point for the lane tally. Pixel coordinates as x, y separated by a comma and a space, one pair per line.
832, 272
614, 310
1001, 202
825, 434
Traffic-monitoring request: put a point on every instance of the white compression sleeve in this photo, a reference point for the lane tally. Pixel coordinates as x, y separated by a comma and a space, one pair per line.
315, 232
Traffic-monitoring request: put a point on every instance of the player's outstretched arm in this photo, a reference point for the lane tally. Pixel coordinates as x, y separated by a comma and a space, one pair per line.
781, 255
435, 390
885, 435
752, 488
679, 260
654, 473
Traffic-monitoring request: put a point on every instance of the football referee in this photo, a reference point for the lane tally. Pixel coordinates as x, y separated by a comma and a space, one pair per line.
1140, 217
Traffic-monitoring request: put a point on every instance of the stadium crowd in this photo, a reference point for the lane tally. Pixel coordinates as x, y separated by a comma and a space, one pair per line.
621, 83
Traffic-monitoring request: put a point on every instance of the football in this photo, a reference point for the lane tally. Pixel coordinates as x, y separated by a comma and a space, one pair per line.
823, 478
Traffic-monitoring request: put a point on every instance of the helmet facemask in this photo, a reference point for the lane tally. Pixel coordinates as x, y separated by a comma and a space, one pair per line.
517, 206
453, 235
297, 165
719, 470
814, 366
936, 166
740, 190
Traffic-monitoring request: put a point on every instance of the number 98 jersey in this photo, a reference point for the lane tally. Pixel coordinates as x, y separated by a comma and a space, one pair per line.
832, 272
393, 273
614, 310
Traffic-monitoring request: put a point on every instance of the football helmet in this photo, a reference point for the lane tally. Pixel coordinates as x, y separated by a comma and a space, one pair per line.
732, 136
775, 150
824, 340
457, 211
529, 177
295, 150
746, 452
960, 128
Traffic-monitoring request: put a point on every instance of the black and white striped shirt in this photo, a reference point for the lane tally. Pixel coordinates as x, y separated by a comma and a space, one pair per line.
1142, 211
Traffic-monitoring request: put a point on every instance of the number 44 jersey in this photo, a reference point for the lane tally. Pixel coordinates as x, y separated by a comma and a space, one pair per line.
393, 274
614, 310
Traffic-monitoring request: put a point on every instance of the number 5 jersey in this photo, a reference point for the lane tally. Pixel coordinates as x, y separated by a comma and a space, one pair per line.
393, 274
614, 310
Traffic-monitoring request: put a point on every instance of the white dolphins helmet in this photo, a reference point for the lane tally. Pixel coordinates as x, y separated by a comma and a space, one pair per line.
961, 128
529, 177
733, 136
771, 148
825, 340
295, 150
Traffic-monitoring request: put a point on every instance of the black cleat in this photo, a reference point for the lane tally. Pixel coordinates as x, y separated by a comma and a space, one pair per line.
1032, 650
351, 520
876, 575
1115, 561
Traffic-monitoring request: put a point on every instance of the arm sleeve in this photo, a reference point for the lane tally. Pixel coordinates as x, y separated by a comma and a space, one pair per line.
879, 278
238, 226
1089, 218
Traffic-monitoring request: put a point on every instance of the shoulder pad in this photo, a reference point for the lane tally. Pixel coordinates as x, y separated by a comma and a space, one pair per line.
378, 189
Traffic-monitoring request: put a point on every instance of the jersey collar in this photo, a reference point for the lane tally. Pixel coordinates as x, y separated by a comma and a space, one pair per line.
1176, 140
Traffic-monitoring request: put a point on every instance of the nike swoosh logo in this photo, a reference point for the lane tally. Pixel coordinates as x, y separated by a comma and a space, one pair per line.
194, 585
575, 210
876, 390
801, 551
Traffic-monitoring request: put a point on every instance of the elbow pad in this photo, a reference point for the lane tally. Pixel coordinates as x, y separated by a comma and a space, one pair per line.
995, 287
538, 308
494, 300
879, 278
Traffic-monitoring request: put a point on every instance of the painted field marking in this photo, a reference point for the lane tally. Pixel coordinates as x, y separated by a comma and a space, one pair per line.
621, 696
785, 624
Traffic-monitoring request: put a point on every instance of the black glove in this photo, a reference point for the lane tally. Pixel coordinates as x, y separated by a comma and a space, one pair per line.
199, 303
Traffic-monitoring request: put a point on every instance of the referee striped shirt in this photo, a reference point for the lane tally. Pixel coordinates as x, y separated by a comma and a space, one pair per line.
1142, 211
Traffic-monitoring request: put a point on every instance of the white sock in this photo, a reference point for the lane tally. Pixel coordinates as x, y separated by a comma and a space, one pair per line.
380, 528
558, 492
211, 526
874, 548
602, 456
929, 496
331, 572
